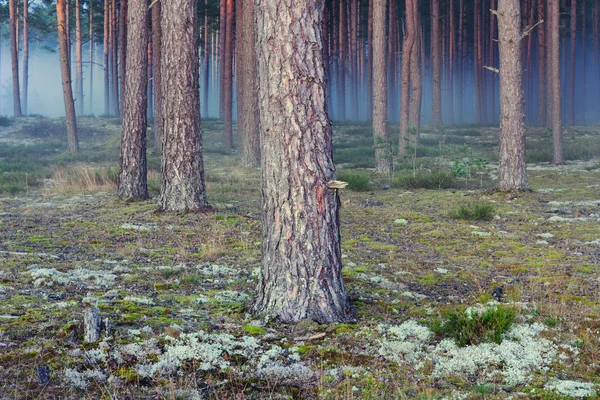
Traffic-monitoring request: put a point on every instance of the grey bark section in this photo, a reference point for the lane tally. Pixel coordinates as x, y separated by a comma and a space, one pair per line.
65, 72
132, 182
92, 324
247, 125
383, 164
182, 181
156, 75
301, 268
512, 172
409, 41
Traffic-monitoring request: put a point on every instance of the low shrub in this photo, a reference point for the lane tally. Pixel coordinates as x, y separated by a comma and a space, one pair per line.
476, 325
479, 211
357, 181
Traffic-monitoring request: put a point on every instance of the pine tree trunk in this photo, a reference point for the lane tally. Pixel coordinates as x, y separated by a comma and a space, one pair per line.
14, 52
206, 58
301, 268
460, 64
106, 62
583, 61
370, 63
132, 183
409, 41
342, 75
451, 63
157, 75
221, 49
78, 61
182, 180
354, 59
416, 89
247, 125
512, 173
228, 79
25, 54
72, 140
573, 27
150, 86
123, 10
492, 61
383, 159
92, 43
436, 63
541, 72
115, 60
554, 9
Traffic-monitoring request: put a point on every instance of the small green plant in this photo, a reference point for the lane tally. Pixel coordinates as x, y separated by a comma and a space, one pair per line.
479, 211
357, 181
472, 327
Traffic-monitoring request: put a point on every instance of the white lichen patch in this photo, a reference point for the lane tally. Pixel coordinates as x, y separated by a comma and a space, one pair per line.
281, 365
82, 379
232, 296
138, 227
79, 276
545, 235
140, 300
571, 388
521, 353
216, 270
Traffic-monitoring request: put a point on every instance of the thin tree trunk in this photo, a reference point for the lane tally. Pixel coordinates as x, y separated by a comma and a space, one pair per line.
554, 9
106, 62
72, 140
25, 54
460, 57
91, 33
370, 62
478, 62
14, 52
301, 267
342, 75
383, 159
354, 59
222, 38
182, 167
416, 89
492, 61
409, 41
123, 10
583, 61
115, 60
150, 86
451, 63
247, 126
573, 27
436, 61
78, 60
228, 79
132, 182
541, 73
156, 62
512, 173
206, 59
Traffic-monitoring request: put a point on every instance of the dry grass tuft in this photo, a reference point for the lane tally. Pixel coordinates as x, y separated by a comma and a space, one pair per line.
83, 179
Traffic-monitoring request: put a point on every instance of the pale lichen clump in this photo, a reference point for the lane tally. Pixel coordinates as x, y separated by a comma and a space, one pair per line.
571, 388
283, 364
521, 353
82, 379
79, 276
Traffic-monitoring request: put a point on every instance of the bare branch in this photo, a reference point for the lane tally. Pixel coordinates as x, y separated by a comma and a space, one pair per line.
528, 31
496, 70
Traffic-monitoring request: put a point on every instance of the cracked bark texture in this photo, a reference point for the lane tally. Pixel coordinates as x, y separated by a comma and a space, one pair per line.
383, 164
132, 178
182, 181
301, 268
512, 174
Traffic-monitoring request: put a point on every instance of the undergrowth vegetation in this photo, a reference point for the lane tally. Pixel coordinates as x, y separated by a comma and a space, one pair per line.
176, 289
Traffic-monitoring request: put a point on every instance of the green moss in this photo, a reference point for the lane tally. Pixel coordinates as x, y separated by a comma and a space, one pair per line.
254, 330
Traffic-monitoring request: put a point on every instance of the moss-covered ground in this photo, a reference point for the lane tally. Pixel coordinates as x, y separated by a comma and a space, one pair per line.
67, 243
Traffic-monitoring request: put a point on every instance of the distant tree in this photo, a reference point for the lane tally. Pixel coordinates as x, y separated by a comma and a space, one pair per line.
72, 139
132, 183
436, 64
247, 99
182, 167
554, 68
228, 78
123, 11
25, 54
512, 174
78, 59
14, 52
106, 57
383, 161
301, 267
409, 42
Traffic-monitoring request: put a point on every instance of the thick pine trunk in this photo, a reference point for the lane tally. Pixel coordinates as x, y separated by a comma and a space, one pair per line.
512, 174
156, 63
383, 161
182, 181
436, 61
65, 71
78, 61
247, 125
554, 9
14, 52
301, 269
416, 89
228, 79
409, 41
132, 183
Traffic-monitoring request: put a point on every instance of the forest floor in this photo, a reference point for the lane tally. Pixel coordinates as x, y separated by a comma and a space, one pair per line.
504, 305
